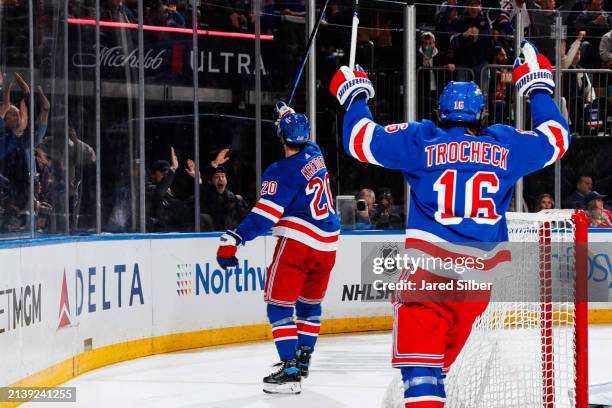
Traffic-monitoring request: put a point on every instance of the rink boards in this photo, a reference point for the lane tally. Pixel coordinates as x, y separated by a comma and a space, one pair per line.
68, 306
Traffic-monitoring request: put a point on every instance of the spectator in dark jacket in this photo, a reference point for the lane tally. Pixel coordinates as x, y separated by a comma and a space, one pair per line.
472, 40
584, 185
165, 211
224, 207
596, 22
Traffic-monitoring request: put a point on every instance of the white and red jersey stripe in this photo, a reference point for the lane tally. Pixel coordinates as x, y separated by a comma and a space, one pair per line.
306, 233
419, 242
557, 136
361, 141
268, 209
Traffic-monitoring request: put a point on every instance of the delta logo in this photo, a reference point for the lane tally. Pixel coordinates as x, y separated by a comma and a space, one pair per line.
64, 307
99, 288
205, 279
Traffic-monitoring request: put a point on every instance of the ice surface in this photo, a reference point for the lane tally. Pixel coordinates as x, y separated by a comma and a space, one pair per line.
347, 371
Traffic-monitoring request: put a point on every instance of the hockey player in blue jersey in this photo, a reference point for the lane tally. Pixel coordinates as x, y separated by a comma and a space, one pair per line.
296, 201
461, 179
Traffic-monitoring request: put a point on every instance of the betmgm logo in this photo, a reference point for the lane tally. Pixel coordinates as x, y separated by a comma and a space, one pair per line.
389, 250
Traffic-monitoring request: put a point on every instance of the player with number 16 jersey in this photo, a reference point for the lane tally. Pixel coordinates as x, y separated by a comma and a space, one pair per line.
461, 177
296, 202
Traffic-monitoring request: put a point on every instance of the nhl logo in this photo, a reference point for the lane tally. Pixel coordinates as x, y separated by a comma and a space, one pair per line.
390, 250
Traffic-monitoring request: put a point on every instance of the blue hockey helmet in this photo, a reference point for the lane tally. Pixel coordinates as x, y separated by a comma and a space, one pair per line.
294, 128
461, 102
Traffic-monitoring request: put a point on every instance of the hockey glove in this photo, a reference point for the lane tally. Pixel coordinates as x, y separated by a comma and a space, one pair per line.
280, 110
228, 245
346, 85
532, 71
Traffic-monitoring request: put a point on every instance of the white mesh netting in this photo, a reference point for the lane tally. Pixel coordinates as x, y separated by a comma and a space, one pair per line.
521, 352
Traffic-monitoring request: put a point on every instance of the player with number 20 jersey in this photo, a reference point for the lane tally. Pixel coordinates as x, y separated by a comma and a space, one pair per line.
296, 202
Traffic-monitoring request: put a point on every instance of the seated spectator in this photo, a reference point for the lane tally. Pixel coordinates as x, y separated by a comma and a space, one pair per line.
471, 41
584, 185
386, 215
431, 82
605, 50
366, 201
598, 215
544, 202
116, 11
224, 208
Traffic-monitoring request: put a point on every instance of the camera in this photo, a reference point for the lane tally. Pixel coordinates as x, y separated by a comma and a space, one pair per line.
362, 205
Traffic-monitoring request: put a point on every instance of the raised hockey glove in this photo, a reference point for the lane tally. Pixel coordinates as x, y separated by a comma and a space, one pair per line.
347, 84
280, 110
228, 245
532, 71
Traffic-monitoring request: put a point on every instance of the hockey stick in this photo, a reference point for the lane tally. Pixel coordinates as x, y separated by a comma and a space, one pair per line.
353, 50
296, 81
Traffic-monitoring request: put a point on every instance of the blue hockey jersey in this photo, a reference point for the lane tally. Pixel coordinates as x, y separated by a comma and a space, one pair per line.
461, 185
296, 200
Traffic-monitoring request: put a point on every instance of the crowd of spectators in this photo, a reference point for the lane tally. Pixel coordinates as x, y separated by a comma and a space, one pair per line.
472, 34
584, 198
171, 195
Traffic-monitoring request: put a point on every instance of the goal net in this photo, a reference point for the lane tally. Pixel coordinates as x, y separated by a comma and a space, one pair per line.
528, 349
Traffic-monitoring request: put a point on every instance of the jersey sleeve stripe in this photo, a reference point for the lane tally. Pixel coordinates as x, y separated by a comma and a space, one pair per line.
359, 127
367, 142
557, 136
257, 210
362, 140
267, 211
272, 204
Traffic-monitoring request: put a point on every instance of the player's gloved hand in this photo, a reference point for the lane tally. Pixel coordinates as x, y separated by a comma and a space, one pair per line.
532, 71
228, 245
280, 110
347, 84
